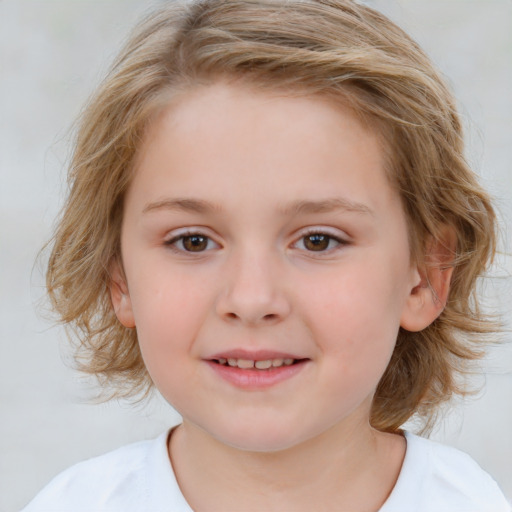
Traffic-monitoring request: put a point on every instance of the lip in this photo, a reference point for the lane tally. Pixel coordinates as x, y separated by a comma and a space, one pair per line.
253, 355
252, 379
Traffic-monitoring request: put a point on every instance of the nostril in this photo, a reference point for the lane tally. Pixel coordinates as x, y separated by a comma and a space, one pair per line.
268, 317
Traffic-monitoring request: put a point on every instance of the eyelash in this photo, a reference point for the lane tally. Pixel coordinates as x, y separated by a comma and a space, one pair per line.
330, 237
171, 243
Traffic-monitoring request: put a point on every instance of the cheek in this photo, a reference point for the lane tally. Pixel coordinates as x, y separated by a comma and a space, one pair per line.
355, 320
168, 310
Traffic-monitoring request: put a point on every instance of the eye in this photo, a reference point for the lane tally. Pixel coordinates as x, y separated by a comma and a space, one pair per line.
317, 241
191, 242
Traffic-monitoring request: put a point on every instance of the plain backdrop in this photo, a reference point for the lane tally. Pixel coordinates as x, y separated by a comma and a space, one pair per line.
52, 54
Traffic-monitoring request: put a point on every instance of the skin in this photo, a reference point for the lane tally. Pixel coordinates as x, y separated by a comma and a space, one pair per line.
258, 283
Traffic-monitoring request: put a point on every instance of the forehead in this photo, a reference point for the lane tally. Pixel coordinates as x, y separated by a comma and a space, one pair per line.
222, 139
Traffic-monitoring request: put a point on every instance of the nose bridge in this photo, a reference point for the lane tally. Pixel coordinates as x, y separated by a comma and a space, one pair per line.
253, 290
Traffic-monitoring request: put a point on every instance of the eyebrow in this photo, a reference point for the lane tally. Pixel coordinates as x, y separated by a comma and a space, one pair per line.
183, 204
295, 208
326, 206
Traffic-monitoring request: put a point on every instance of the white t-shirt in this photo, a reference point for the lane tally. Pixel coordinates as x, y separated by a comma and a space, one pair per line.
139, 478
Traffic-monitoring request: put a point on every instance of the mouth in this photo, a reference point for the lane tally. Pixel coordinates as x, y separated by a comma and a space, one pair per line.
257, 364
256, 370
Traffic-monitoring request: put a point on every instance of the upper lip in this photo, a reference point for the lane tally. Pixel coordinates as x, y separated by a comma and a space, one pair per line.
253, 355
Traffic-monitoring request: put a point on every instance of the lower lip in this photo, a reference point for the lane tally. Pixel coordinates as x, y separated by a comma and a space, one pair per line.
252, 379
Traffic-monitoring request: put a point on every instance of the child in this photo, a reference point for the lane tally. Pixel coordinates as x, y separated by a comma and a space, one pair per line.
271, 220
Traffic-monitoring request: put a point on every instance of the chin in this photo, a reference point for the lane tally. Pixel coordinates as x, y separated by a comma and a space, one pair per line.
260, 438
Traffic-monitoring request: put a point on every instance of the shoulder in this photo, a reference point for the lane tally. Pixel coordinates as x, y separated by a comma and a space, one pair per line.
439, 478
91, 483
133, 477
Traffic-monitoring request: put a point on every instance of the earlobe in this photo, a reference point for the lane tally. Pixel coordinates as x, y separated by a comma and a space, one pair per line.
429, 293
120, 297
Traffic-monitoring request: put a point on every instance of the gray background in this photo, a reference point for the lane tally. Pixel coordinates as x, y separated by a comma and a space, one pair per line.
52, 53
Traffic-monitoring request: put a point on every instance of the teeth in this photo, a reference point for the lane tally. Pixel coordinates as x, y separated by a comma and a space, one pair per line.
245, 364
263, 365
260, 365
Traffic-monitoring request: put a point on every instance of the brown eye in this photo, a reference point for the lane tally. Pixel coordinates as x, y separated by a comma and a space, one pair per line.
194, 243
317, 242
191, 243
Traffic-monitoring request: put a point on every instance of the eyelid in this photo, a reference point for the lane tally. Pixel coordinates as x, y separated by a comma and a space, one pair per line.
333, 232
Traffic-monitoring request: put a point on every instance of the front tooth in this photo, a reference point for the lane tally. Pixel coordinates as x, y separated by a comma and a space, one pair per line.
245, 363
263, 365
288, 362
222, 360
277, 362
232, 362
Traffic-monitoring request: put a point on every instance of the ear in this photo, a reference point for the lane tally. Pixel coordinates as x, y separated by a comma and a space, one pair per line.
120, 296
429, 293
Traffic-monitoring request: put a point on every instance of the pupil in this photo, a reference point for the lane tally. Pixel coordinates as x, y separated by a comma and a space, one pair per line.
317, 242
195, 243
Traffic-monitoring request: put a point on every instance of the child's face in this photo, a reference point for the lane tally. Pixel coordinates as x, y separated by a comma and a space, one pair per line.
294, 246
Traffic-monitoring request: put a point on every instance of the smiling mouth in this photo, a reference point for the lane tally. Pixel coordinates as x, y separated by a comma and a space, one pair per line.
249, 364
256, 371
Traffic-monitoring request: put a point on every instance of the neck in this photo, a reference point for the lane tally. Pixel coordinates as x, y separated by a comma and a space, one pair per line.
331, 471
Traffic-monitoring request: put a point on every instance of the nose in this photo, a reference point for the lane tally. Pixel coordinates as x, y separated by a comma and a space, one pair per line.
253, 291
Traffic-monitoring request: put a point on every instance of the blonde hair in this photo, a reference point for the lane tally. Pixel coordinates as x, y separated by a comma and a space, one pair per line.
337, 48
